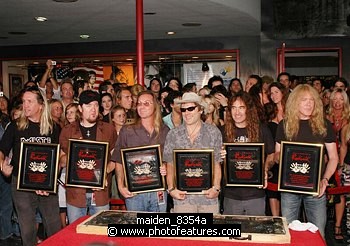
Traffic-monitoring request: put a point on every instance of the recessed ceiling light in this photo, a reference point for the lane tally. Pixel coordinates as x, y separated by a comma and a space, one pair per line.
189, 24
65, 1
129, 59
84, 36
65, 61
17, 33
40, 18
170, 33
36, 63
195, 57
228, 56
97, 60
20, 65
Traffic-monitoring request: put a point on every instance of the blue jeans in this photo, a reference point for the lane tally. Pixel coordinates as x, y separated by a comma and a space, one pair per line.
74, 213
315, 209
6, 207
147, 202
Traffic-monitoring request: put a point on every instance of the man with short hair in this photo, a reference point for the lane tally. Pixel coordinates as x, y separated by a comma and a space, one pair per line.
193, 134
79, 200
252, 80
106, 87
284, 78
124, 99
340, 83
215, 81
67, 92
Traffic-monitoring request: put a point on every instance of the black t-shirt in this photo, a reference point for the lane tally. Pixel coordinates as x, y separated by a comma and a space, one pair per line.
305, 135
12, 139
244, 193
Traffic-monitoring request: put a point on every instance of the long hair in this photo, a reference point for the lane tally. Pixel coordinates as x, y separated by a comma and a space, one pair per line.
285, 94
158, 120
215, 113
252, 119
317, 121
46, 122
345, 112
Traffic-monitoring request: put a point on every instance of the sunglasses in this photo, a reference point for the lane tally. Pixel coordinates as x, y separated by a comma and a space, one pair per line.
190, 109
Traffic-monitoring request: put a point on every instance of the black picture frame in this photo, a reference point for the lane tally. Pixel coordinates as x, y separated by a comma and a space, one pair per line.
142, 168
194, 169
300, 167
87, 164
38, 167
15, 84
244, 164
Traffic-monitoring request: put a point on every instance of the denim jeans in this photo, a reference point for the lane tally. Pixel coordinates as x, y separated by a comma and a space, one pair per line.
26, 203
74, 213
6, 207
255, 207
315, 209
147, 202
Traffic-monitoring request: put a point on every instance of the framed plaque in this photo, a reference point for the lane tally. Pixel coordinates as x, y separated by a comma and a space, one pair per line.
142, 168
38, 167
194, 169
244, 164
87, 164
300, 167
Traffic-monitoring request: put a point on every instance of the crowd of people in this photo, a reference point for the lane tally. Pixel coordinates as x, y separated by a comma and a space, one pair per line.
175, 116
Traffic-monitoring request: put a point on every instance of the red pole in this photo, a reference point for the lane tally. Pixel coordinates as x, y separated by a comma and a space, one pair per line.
139, 43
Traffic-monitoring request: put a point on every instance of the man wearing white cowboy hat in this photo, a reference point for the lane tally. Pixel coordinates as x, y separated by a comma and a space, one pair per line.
193, 134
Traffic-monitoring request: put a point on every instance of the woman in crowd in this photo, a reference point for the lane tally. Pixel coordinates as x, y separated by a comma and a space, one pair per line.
4, 104
338, 115
56, 108
106, 106
72, 113
175, 84
211, 116
278, 95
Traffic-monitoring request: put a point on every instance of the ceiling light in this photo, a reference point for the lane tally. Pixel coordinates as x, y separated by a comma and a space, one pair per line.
65, 61
129, 59
195, 57
228, 56
40, 18
84, 36
65, 1
190, 24
97, 60
17, 33
36, 63
170, 33
20, 65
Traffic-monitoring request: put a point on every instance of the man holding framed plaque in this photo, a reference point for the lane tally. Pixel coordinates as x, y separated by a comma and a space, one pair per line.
304, 122
148, 130
195, 136
79, 199
34, 126
245, 165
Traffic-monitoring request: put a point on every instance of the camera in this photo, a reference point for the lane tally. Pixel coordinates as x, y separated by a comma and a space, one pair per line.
53, 63
1, 93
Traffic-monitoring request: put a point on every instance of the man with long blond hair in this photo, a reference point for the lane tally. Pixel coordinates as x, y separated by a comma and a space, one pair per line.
304, 122
34, 125
147, 130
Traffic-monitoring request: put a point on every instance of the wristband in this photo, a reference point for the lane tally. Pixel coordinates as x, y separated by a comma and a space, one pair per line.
218, 190
170, 190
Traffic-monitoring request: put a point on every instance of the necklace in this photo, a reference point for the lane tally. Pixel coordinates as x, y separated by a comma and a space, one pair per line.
193, 132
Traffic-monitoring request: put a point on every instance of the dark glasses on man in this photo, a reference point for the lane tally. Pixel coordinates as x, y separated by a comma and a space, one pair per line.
183, 110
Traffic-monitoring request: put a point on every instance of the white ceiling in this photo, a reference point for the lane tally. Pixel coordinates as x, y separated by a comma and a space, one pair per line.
114, 20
